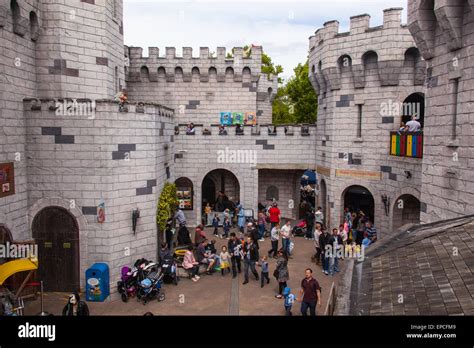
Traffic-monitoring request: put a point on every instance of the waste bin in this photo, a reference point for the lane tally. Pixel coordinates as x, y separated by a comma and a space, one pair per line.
97, 282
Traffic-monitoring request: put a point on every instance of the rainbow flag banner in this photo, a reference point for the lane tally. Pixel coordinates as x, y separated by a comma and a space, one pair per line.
406, 144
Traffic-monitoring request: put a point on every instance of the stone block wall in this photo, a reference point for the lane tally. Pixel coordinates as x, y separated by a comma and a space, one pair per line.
443, 31
197, 155
120, 158
80, 49
364, 71
200, 88
17, 81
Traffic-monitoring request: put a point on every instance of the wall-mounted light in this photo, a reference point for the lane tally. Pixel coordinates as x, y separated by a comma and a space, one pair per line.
135, 217
408, 174
386, 203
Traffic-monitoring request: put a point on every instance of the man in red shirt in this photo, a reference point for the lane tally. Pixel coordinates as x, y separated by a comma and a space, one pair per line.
274, 213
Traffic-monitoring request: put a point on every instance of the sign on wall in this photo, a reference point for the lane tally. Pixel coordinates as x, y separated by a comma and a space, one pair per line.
7, 179
238, 118
226, 118
234, 118
250, 118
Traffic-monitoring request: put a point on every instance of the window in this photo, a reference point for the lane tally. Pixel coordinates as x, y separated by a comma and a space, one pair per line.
184, 193
272, 193
34, 26
359, 120
455, 97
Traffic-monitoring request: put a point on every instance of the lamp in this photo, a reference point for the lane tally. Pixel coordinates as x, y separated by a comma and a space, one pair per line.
135, 216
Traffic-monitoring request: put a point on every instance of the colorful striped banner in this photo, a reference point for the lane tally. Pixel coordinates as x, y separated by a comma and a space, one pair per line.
406, 145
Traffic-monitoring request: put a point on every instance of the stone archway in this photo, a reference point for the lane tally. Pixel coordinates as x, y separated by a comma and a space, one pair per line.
224, 181
83, 227
406, 210
357, 198
56, 233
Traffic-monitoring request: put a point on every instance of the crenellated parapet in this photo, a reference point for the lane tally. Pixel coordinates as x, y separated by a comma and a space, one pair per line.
387, 52
241, 67
444, 18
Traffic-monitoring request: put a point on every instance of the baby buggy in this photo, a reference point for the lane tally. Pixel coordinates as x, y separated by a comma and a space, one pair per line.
168, 267
300, 229
150, 288
143, 268
126, 286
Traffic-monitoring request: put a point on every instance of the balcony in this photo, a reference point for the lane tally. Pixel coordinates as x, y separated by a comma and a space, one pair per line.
406, 144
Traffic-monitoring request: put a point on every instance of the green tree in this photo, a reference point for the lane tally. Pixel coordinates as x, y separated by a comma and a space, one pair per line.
296, 101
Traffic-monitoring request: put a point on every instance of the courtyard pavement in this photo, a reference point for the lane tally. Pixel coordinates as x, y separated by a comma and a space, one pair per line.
213, 294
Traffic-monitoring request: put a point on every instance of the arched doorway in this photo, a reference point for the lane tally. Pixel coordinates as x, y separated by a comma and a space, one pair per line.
406, 210
56, 233
358, 198
414, 105
221, 189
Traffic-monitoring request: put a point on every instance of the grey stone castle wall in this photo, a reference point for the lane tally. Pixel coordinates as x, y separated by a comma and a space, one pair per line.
443, 31
197, 155
202, 87
345, 75
17, 81
120, 158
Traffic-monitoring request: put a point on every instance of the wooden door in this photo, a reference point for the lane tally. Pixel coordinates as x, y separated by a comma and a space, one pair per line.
56, 232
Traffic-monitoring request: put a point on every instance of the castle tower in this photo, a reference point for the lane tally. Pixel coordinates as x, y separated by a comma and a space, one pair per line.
368, 80
442, 31
79, 52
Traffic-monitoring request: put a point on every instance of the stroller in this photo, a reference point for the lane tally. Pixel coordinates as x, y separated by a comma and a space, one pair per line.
168, 267
126, 286
300, 229
143, 268
150, 288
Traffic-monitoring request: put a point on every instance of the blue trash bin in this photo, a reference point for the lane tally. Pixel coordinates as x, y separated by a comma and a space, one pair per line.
97, 282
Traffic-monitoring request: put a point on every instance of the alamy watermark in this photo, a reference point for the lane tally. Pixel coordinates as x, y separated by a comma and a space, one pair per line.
237, 156
18, 251
74, 107
392, 108
347, 252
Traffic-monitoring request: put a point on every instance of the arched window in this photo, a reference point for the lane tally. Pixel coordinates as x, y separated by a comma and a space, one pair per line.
270, 91
34, 26
116, 80
161, 74
178, 73
272, 193
184, 193
414, 66
144, 74
195, 74
344, 63
246, 75
16, 16
212, 74
370, 61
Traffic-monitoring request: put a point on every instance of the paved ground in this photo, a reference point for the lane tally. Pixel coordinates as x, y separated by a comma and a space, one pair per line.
213, 295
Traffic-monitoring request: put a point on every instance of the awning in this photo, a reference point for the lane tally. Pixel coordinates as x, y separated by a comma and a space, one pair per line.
10, 268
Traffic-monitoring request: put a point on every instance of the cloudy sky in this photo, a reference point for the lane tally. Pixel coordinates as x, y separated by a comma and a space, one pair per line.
282, 27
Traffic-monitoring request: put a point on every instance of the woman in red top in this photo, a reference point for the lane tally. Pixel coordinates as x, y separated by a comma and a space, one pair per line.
274, 213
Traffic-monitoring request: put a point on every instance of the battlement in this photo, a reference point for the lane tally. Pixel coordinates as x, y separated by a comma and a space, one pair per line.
359, 24
429, 19
362, 52
243, 67
87, 107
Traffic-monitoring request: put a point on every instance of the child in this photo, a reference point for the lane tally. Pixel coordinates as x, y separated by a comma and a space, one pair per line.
226, 228
215, 224
225, 260
289, 300
264, 274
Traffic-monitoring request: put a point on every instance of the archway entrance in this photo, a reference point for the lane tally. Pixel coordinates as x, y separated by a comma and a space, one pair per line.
358, 198
56, 233
405, 211
221, 189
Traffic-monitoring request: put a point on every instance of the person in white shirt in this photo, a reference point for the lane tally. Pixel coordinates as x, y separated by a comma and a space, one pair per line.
285, 235
413, 125
274, 237
319, 216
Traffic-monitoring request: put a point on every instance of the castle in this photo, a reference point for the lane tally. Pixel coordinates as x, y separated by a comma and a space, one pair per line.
74, 165
371, 79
